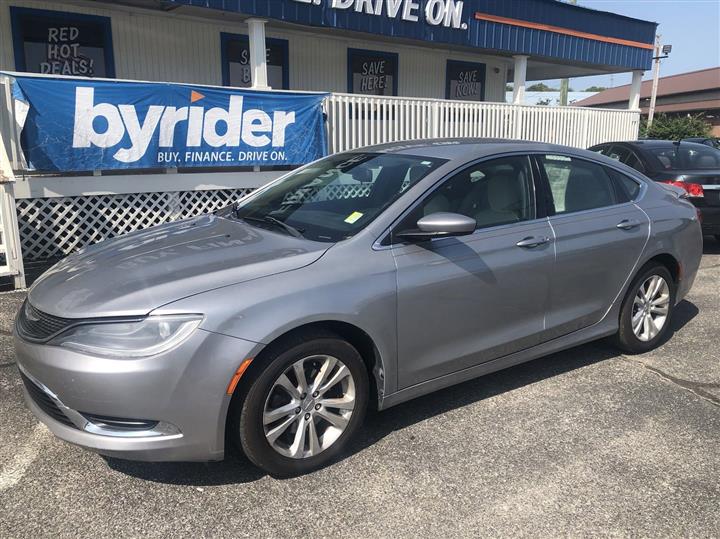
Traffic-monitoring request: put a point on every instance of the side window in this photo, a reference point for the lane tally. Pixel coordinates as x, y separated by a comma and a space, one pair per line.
495, 192
634, 162
577, 185
618, 153
626, 188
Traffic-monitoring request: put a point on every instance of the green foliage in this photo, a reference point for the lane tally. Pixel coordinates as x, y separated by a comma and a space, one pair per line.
508, 87
540, 87
669, 127
595, 89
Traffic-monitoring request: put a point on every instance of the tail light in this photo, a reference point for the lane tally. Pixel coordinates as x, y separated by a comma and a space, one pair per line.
699, 215
694, 190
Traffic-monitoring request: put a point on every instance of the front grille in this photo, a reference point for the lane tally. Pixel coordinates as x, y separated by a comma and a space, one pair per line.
44, 402
35, 325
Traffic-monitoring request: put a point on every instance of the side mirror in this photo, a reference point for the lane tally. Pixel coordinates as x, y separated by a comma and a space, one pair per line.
440, 225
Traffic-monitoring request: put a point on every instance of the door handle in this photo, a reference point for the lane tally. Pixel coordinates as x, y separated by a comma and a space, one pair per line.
532, 241
627, 224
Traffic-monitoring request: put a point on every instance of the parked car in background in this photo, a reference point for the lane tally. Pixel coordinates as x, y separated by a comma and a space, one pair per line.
691, 166
274, 323
713, 142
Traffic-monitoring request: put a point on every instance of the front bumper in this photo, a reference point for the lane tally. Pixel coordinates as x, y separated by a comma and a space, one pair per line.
181, 393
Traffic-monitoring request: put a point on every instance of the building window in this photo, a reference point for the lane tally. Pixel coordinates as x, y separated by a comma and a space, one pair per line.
465, 81
372, 72
60, 43
236, 61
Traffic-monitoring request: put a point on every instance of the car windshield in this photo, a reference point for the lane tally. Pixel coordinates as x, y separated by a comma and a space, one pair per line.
686, 156
333, 199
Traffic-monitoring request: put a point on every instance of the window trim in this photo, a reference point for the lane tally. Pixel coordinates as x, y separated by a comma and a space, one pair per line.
546, 182
384, 240
227, 37
382, 54
18, 37
480, 66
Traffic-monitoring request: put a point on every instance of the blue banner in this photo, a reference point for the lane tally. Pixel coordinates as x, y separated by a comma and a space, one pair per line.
82, 125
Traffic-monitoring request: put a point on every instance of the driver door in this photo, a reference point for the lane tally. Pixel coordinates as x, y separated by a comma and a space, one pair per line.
470, 299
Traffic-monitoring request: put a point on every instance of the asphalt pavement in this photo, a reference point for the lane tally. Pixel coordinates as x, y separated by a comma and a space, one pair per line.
587, 442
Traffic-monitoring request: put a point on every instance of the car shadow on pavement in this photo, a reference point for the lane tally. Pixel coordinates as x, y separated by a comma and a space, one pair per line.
237, 469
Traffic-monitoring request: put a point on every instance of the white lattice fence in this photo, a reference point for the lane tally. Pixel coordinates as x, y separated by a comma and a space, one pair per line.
54, 227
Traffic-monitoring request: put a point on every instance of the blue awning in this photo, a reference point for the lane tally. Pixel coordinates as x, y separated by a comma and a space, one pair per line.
548, 29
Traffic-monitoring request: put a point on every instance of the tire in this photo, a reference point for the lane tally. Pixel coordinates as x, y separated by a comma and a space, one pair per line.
626, 338
284, 456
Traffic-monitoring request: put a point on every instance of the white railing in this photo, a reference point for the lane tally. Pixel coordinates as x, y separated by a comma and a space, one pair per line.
355, 121
11, 261
46, 217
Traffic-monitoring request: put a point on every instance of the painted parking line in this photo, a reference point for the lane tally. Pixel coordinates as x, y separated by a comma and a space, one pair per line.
15, 470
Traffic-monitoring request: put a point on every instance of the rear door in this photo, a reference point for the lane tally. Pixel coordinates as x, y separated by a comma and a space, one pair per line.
599, 237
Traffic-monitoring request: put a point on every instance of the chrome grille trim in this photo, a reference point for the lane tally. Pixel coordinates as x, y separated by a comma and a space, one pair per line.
36, 326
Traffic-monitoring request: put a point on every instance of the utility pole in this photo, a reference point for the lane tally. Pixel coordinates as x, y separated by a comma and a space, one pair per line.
565, 83
660, 53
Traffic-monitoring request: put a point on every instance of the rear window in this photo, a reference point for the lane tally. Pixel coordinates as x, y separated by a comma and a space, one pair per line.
685, 156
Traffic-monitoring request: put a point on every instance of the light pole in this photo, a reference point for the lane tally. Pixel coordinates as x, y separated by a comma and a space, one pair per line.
660, 53
565, 83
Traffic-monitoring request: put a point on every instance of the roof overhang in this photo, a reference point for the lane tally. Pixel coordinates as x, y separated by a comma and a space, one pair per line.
568, 40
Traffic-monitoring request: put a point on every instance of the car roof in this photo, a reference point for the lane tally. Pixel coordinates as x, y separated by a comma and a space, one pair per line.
468, 148
654, 143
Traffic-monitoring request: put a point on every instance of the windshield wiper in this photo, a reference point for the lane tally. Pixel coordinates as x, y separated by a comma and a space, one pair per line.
277, 222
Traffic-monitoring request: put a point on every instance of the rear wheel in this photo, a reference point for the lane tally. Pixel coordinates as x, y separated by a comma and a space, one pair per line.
646, 310
304, 407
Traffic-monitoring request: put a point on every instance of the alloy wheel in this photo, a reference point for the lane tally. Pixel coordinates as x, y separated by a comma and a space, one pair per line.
650, 308
309, 406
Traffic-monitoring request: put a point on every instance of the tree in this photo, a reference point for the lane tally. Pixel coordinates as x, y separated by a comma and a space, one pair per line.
541, 87
667, 127
595, 89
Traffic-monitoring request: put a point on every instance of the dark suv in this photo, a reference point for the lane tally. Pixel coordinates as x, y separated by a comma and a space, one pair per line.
694, 167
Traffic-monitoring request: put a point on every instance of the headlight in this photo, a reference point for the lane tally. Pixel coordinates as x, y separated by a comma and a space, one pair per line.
147, 337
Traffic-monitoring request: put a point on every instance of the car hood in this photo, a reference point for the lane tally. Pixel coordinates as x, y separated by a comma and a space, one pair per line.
138, 272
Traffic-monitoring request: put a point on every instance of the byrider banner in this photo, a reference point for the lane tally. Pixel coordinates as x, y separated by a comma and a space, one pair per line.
81, 124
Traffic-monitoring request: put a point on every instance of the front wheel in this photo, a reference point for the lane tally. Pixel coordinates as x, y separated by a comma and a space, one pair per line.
646, 310
304, 407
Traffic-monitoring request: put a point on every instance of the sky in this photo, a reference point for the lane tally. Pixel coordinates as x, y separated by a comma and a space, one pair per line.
692, 27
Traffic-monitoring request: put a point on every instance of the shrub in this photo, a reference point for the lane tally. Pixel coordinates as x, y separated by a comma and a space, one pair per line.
668, 127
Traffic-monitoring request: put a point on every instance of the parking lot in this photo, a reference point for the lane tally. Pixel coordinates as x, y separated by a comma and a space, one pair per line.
586, 442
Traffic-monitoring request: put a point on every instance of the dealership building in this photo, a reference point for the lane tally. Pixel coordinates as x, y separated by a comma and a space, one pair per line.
447, 49
391, 69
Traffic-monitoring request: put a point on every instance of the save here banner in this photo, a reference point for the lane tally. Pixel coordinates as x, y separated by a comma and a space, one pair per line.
83, 125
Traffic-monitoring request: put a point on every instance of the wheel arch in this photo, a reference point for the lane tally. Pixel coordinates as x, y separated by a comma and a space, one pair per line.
669, 261
356, 336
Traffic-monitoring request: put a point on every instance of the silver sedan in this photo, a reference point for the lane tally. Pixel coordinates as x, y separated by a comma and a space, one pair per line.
364, 279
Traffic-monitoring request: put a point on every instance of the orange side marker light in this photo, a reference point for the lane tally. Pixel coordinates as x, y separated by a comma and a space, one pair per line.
238, 374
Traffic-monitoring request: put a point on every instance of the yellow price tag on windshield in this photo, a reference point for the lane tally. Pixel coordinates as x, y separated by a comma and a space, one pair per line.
354, 216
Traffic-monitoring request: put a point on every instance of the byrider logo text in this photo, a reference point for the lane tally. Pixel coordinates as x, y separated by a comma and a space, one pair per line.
216, 127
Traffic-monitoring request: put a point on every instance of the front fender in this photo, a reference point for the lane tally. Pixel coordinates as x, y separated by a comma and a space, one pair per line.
361, 293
